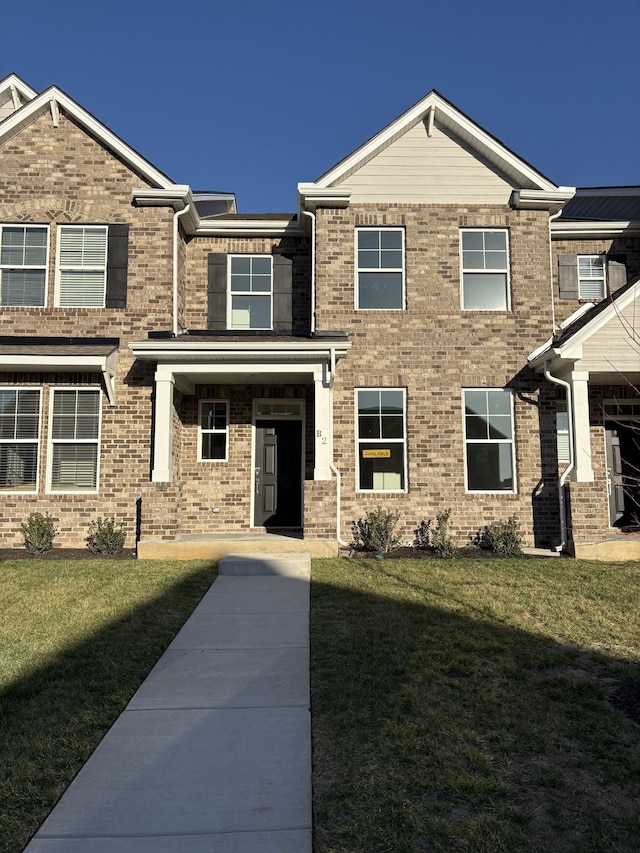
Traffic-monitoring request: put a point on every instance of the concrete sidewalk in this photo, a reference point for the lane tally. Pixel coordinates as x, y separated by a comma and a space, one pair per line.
213, 753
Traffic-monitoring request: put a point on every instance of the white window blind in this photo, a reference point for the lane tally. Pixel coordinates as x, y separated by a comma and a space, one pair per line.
23, 265
82, 266
19, 438
75, 428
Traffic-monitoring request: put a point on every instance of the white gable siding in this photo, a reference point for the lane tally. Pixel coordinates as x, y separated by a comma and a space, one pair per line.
616, 347
418, 169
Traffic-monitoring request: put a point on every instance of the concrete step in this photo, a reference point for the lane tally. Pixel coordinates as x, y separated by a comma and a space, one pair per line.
294, 564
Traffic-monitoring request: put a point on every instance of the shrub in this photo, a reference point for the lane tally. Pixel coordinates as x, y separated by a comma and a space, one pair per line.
38, 531
505, 537
423, 534
104, 537
441, 539
376, 531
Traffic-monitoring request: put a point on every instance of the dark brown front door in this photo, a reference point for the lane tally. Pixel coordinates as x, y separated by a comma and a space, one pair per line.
278, 474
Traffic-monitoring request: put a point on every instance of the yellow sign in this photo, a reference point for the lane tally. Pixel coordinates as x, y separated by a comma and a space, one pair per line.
376, 454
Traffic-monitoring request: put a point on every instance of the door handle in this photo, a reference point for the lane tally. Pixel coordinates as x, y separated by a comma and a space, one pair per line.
257, 478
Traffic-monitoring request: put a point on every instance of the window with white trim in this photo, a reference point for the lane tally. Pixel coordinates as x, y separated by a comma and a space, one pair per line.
381, 439
380, 268
250, 292
74, 440
213, 430
23, 265
81, 276
591, 277
19, 439
562, 431
488, 436
485, 270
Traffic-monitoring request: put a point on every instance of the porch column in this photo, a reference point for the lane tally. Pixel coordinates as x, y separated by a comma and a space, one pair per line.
163, 422
583, 472
323, 426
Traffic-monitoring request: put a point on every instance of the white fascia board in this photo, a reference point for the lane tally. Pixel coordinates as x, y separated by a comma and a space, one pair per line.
311, 196
27, 115
551, 200
24, 90
484, 143
248, 227
595, 228
276, 350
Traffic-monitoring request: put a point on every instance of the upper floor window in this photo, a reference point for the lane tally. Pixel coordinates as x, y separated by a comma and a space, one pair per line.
23, 265
489, 447
250, 292
74, 440
485, 270
81, 266
381, 439
19, 437
591, 280
213, 426
380, 268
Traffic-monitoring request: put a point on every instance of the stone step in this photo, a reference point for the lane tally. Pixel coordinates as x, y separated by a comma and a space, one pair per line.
292, 564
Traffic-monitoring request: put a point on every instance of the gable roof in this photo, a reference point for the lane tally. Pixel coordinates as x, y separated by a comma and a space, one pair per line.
582, 325
434, 107
54, 99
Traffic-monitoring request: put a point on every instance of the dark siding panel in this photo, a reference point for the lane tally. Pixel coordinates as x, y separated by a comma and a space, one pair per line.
217, 292
568, 276
616, 272
117, 266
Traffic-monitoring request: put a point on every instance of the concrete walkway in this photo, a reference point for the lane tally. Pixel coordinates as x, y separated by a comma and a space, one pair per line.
213, 753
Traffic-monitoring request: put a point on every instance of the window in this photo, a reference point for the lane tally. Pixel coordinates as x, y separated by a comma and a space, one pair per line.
74, 440
591, 282
19, 437
485, 271
81, 266
250, 288
562, 431
213, 421
380, 268
488, 432
23, 265
381, 440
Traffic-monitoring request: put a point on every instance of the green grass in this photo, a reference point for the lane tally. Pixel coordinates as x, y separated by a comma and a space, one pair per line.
464, 706
76, 640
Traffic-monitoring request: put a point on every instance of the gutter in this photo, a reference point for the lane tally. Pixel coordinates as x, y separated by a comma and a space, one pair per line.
563, 477
176, 217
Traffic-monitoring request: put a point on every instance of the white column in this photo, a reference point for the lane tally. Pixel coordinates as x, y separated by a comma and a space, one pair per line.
583, 471
163, 417
323, 426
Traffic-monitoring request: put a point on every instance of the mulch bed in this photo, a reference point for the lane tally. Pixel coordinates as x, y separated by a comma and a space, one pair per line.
65, 554
405, 553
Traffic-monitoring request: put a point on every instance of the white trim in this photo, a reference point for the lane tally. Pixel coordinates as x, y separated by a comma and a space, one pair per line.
506, 271
214, 431
260, 294
380, 440
492, 441
12, 83
93, 441
603, 278
592, 228
36, 441
402, 270
551, 200
26, 225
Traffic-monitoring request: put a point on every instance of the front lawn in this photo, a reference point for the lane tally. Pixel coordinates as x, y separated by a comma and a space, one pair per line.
467, 706
77, 637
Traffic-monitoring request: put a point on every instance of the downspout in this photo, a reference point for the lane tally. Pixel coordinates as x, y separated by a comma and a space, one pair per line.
313, 270
176, 217
553, 298
563, 477
332, 466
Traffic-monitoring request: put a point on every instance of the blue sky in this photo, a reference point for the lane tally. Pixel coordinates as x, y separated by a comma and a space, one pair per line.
253, 96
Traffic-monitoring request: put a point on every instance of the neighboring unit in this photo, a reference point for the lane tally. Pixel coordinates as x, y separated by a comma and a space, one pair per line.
439, 325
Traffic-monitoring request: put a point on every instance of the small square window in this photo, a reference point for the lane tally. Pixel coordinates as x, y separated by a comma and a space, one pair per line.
591, 277
485, 270
250, 292
380, 269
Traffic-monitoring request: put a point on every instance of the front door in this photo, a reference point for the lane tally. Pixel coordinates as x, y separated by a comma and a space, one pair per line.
623, 473
278, 473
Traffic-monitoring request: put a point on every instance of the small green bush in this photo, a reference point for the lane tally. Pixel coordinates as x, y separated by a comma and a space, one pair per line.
376, 531
422, 537
104, 537
38, 531
505, 537
441, 539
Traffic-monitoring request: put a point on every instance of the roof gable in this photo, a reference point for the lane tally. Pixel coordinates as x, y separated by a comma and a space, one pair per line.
434, 111
54, 99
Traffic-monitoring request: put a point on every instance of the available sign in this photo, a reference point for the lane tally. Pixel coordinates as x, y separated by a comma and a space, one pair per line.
376, 454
